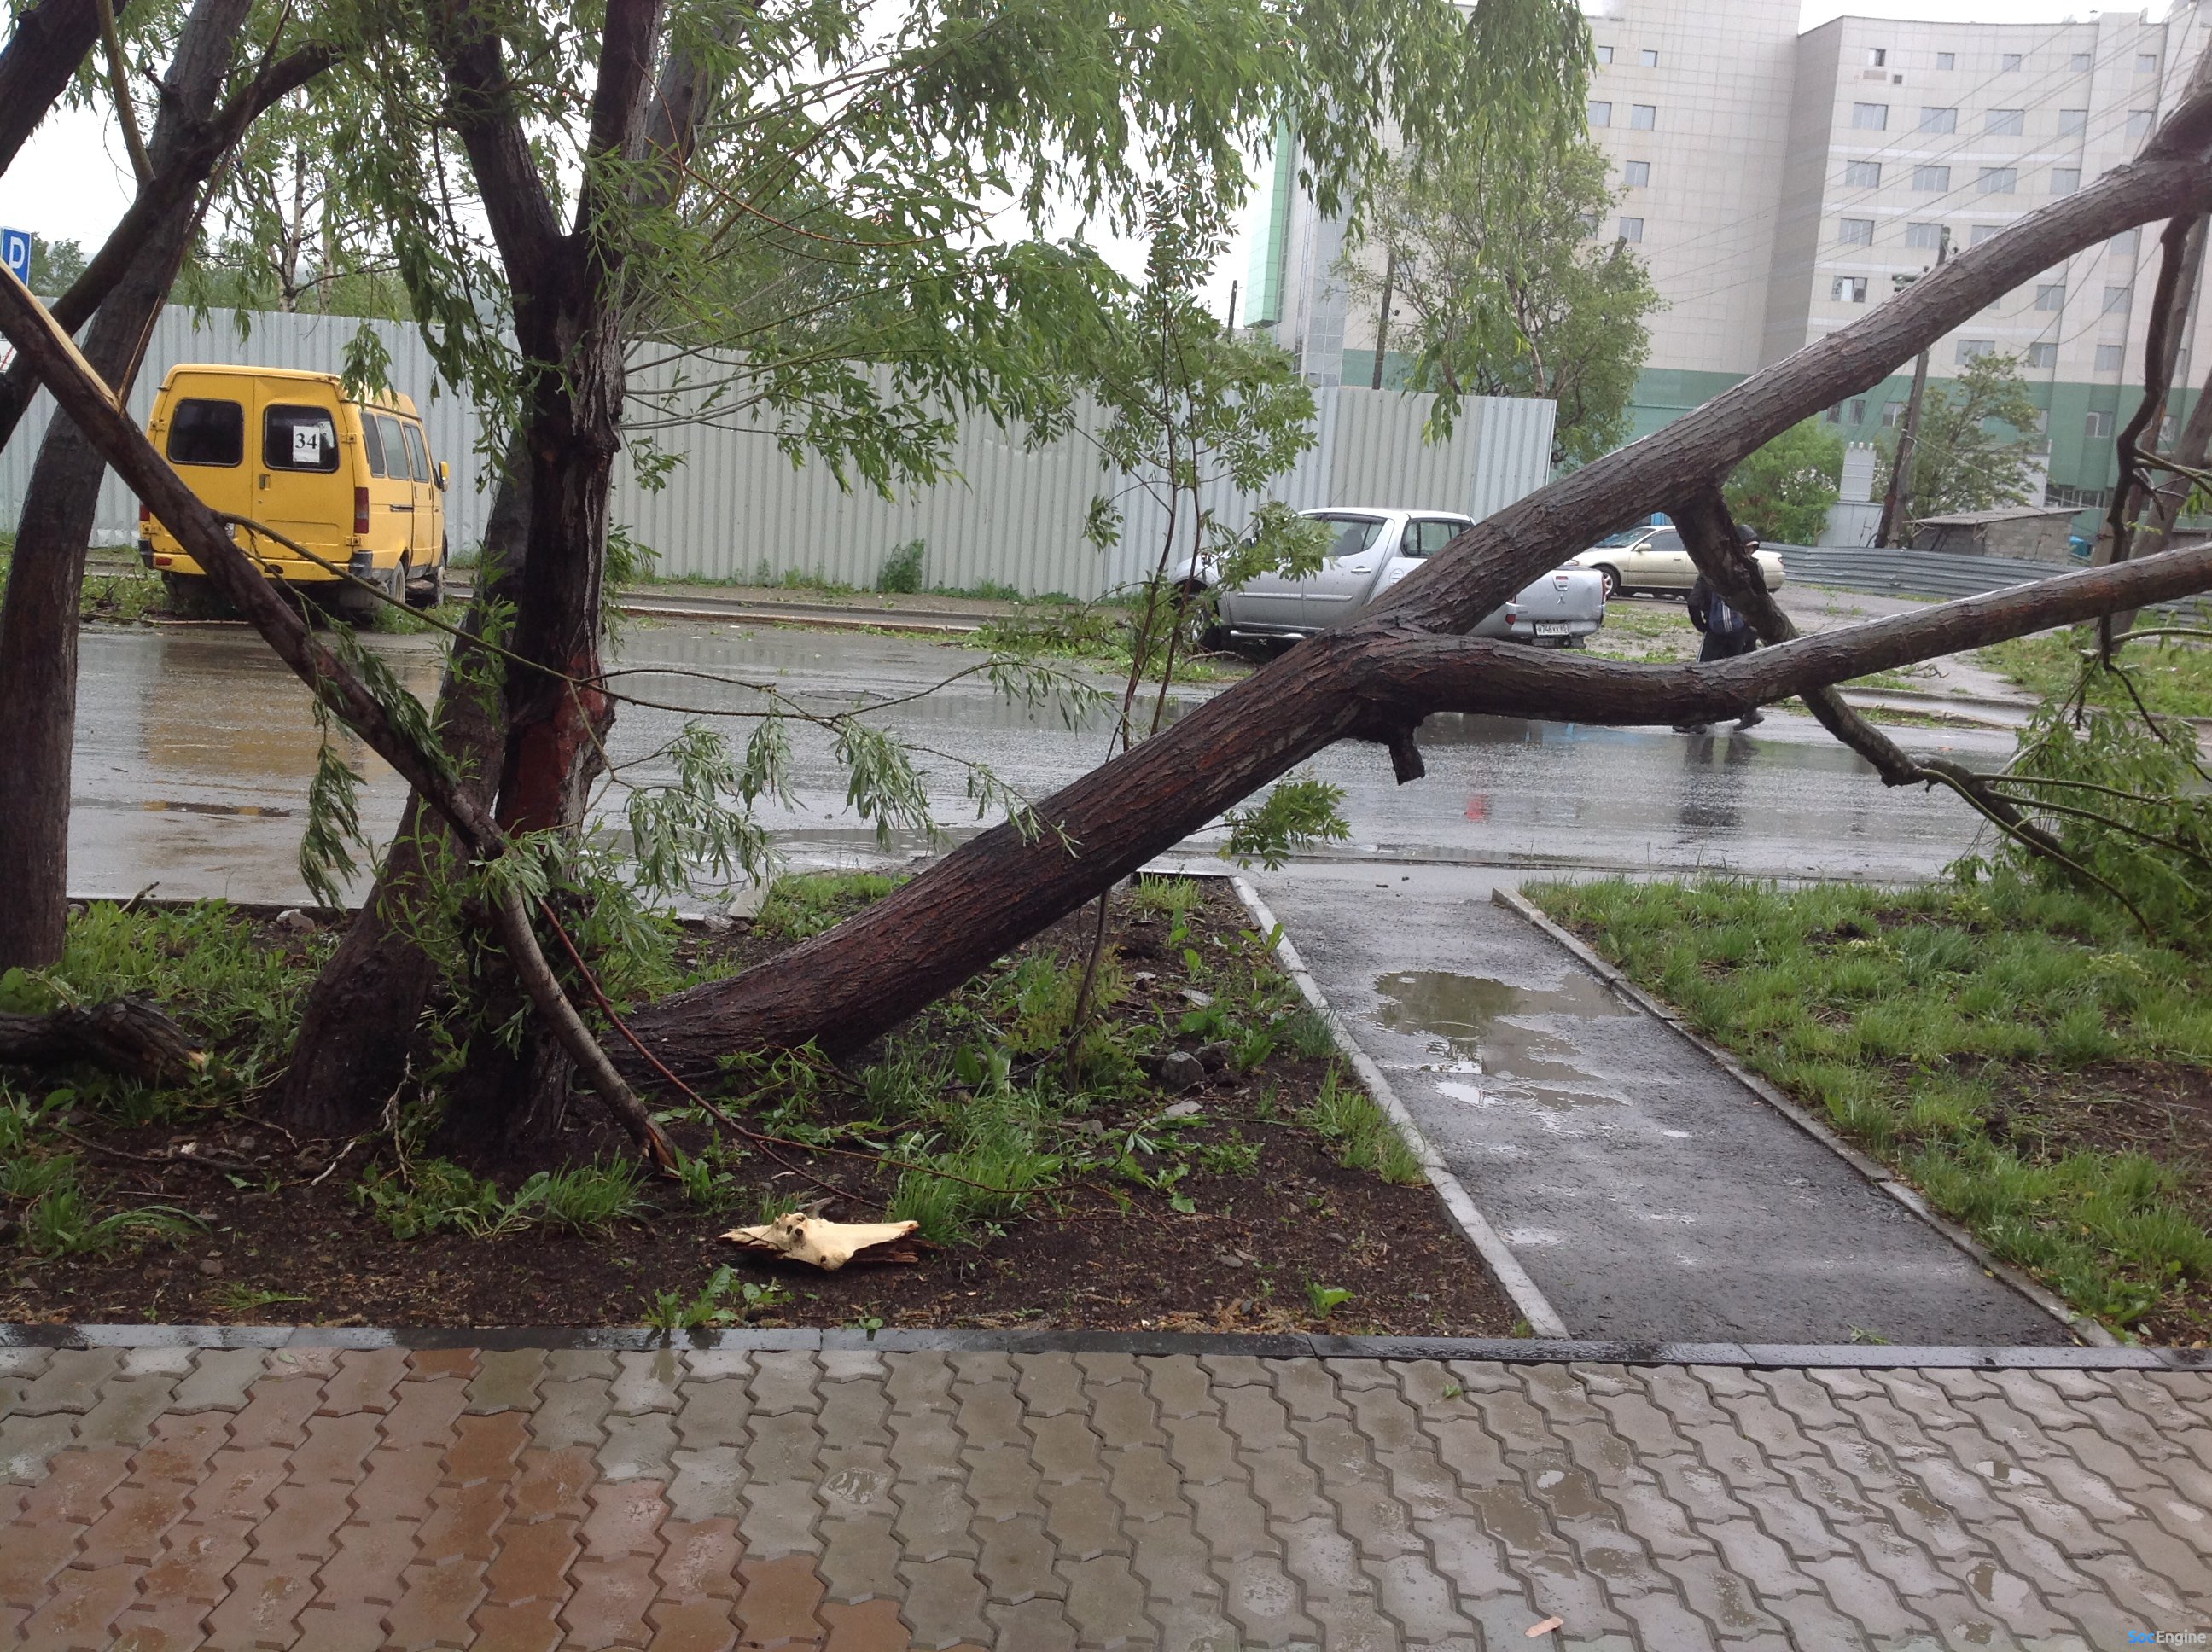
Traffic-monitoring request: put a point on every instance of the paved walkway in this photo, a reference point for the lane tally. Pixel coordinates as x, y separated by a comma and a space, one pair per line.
379, 1497
1646, 1192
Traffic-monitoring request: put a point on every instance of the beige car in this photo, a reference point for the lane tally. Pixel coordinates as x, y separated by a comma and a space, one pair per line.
1652, 559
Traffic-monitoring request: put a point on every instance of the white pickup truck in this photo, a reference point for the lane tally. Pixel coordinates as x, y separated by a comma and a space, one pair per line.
1373, 550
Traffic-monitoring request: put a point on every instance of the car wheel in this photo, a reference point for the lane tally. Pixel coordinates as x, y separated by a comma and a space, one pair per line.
429, 591
1612, 578
1198, 613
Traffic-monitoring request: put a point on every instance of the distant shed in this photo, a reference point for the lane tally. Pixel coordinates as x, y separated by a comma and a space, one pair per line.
2026, 534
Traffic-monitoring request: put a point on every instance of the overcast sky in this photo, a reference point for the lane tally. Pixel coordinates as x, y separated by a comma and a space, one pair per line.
69, 180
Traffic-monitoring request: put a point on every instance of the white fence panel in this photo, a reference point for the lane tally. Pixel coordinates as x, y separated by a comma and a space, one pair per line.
736, 508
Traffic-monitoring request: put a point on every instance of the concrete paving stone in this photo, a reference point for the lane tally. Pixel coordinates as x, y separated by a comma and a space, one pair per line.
859, 1558
1083, 1519
197, 1558
1323, 1560
855, 1411
1463, 1549
1384, 1418
1123, 1415
428, 1365
717, 1365
700, 1557
1195, 1625
366, 1570
1786, 1518
857, 1480
77, 1486
926, 1444
303, 1520
868, 1627
531, 1561
1041, 1622
2187, 1518
1684, 1395
715, 1413
1864, 1596
1562, 1393
1015, 1559
934, 1519
646, 1380
1264, 1601
1202, 1450
1756, 1556
1736, 1457
581, 1364
692, 1626
944, 1602
1233, 1521
2130, 1475
486, 1446
708, 1483
31, 1557
1774, 1431
1307, 1388
1002, 1483
1910, 1568
28, 1443
1703, 1493
137, 1517
1872, 1472
21, 1364
1354, 1625
1661, 1524
264, 1604
1421, 1382
778, 1599
642, 1447
990, 1415
1174, 1560
462, 1521
868, 1366
781, 1517
397, 1484
1371, 1517
1179, 1386
920, 1382
156, 1362
364, 1381
625, 1518
1641, 1420
1419, 1602
1419, 1481
609, 1601
1286, 1484
422, 1415
571, 1413
337, 1448
1225, 1372
523, 1626
975, 1366
1144, 1482
2187, 1564
1064, 1447
165, 1625
2130, 1584
70, 1381
1105, 1601
1722, 1595
1101, 1370
1810, 1402
1597, 1451
1050, 1385
277, 1410
1662, 1620
507, 1380
82, 1610
551, 1483
2130, 1429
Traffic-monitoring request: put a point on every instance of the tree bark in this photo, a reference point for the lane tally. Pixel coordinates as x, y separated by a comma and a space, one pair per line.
129, 1035
862, 978
51, 39
351, 1050
45, 578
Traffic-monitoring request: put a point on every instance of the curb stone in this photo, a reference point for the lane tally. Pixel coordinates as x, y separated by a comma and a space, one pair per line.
2077, 1324
1543, 1319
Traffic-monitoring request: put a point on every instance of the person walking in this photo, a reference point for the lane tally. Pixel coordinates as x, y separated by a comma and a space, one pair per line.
1727, 633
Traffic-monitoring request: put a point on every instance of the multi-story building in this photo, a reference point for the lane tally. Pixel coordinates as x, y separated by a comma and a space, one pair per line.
1779, 184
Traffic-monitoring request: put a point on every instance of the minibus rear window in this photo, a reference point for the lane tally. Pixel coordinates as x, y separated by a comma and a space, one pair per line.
372, 443
299, 439
395, 448
202, 431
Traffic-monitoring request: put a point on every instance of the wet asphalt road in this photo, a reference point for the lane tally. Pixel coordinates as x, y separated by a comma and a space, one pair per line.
194, 748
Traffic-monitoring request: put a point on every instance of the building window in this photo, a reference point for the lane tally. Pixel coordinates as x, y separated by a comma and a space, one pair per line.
2051, 296
2139, 121
2146, 62
1848, 289
2111, 358
1935, 180
1892, 415
1853, 412
1947, 60
2123, 245
2042, 355
1855, 231
2116, 299
2009, 64
2082, 63
1600, 112
1877, 57
2096, 425
1605, 54
1937, 120
1928, 235
1972, 349
2005, 123
2000, 180
2064, 180
2072, 120
1648, 57
1643, 117
1863, 174
1637, 174
1982, 233
1870, 116
1632, 229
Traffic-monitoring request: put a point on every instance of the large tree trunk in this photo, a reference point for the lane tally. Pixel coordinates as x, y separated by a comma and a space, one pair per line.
39, 620
49, 41
351, 1051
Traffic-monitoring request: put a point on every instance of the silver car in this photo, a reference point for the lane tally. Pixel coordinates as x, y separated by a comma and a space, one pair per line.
1374, 548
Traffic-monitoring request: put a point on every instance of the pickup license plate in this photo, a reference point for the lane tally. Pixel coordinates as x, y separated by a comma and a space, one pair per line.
1553, 629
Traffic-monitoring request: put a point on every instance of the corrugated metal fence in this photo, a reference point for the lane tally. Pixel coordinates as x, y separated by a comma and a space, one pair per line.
1906, 573
736, 508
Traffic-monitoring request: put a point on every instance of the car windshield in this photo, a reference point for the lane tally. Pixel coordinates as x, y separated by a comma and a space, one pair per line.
1625, 537
1353, 533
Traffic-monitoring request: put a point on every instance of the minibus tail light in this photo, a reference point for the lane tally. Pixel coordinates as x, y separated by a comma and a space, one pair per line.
361, 510
145, 516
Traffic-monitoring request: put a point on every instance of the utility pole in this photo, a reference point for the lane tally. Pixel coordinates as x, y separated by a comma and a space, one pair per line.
1382, 321
1898, 499
1231, 327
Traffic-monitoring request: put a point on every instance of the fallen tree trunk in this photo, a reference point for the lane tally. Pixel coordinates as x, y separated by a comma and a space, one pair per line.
856, 981
129, 1035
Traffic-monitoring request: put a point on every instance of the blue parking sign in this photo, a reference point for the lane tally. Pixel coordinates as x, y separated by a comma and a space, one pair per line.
15, 254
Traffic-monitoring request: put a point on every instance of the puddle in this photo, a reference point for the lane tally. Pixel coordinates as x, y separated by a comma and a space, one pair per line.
1477, 1021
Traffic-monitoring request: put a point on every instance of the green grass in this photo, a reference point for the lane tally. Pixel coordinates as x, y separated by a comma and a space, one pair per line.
121, 596
1364, 1138
1924, 1024
807, 903
2173, 674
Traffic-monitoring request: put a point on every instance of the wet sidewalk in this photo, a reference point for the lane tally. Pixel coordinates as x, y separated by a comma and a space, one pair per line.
1646, 1192
848, 1499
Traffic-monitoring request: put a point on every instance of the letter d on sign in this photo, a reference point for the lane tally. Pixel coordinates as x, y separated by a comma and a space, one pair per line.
15, 254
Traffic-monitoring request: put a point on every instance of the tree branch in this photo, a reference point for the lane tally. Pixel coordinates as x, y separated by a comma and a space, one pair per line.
118, 84
515, 203
51, 39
